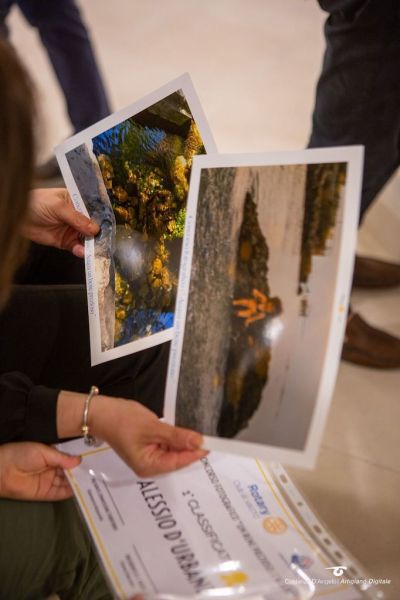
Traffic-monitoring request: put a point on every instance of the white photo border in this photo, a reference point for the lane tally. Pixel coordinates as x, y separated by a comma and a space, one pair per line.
185, 84
353, 157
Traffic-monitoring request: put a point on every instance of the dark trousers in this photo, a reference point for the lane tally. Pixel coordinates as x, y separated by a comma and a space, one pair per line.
68, 46
358, 92
46, 549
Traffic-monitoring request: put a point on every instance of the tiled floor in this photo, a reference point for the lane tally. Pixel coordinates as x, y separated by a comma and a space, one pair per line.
254, 64
356, 485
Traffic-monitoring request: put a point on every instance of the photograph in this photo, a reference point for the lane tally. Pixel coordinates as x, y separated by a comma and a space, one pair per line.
133, 180
257, 326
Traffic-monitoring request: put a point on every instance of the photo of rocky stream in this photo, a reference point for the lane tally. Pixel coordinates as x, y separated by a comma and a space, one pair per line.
134, 181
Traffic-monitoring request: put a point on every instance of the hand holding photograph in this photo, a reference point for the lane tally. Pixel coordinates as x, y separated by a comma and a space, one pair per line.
263, 297
130, 173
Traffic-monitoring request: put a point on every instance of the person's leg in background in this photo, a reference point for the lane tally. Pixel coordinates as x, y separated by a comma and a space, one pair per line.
70, 51
68, 45
358, 102
45, 549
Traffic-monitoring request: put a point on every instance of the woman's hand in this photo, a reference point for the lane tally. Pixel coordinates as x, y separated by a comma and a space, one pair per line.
53, 221
147, 445
31, 471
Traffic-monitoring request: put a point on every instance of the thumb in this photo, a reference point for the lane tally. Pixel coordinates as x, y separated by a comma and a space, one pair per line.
78, 221
179, 438
55, 458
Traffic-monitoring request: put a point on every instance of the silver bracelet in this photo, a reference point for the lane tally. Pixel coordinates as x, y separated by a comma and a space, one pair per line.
90, 440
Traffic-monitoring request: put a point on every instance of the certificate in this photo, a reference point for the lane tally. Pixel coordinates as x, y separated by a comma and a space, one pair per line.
225, 526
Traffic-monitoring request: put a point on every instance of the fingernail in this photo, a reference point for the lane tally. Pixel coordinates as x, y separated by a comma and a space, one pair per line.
73, 455
199, 453
195, 441
79, 251
93, 228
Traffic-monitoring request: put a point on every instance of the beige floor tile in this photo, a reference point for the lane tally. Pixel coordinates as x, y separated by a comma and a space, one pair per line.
364, 416
359, 503
245, 57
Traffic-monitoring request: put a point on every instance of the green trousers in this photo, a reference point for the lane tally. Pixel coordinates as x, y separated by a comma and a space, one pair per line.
45, 549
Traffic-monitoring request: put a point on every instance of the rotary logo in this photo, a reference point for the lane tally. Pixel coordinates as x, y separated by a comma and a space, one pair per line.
274, 525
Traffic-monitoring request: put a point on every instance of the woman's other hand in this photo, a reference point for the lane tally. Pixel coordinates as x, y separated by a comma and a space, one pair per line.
52, 220
31, 471
149, 446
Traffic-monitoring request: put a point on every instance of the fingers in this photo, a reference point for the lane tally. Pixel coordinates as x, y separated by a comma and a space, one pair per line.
55, 488
54, 485
67, 213
68, 462
60, 489
78, 250
72, 241
169, 448
159, 461
55, 458
79, 222
178, 460
178, 437
57, 494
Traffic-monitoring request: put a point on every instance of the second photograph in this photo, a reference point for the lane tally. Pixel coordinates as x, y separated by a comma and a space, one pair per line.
260, 325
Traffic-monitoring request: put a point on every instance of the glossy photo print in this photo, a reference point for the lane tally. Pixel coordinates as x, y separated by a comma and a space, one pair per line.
265, 280
130, 173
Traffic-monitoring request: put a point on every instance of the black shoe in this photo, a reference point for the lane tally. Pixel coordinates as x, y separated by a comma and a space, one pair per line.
48, 170
372, 273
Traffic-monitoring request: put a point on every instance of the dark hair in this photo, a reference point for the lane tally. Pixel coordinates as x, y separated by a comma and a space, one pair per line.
16, 161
